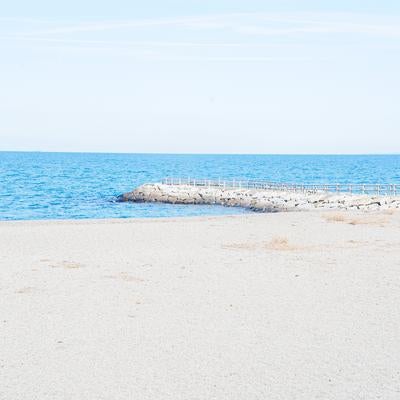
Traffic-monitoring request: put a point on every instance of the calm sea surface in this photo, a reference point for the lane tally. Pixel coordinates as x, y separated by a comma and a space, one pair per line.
82, 185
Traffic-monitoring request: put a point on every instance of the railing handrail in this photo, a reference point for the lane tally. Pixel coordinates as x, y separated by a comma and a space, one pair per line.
358, 188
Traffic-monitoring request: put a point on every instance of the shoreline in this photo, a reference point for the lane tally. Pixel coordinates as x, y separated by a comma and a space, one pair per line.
130, 220
127, 220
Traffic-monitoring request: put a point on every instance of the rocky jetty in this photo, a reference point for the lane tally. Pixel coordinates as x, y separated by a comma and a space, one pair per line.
258, 200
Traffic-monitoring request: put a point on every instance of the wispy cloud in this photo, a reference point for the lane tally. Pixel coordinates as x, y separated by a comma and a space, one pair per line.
244, 23
155, 51
237, 59
320, 28
209, 22
221, 37
133, 43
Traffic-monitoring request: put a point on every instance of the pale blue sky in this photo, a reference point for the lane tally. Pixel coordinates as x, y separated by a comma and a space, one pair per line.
221, 76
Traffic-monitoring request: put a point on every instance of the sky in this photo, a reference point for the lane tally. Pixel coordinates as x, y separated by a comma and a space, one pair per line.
220, 76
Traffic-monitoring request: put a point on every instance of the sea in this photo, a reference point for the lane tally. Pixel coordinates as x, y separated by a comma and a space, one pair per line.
42, 186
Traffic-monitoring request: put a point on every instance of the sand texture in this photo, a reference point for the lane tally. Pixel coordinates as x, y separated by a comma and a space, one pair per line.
264, 306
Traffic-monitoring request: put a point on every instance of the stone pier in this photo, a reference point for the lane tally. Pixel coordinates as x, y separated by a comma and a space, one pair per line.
258, 199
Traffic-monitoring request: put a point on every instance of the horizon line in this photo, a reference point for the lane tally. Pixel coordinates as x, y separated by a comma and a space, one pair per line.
199, 154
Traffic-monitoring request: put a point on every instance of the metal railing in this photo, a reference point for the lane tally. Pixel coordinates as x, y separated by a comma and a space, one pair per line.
372, 189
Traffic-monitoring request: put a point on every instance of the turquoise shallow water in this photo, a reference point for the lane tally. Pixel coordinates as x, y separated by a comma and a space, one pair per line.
83, 185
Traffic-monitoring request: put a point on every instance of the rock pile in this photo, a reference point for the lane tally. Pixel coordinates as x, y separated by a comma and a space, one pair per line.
258, 200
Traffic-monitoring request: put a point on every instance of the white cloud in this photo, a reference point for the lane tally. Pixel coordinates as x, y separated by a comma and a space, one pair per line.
248, 35
245, 23
133, 43
320, 28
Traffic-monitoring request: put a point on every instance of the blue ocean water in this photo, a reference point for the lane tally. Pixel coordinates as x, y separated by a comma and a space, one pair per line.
84, 185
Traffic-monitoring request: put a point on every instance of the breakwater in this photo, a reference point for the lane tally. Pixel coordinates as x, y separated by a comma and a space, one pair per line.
256, 199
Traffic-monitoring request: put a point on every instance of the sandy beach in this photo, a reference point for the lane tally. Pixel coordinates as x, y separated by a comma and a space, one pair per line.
301, 305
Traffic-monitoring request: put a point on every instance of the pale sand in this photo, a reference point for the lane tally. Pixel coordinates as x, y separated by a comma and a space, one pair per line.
265, 306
